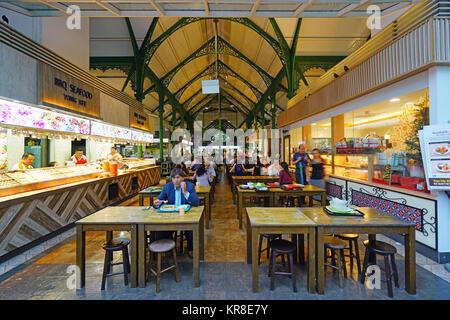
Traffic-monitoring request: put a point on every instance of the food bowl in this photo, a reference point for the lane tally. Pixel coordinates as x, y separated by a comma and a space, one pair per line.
244, 186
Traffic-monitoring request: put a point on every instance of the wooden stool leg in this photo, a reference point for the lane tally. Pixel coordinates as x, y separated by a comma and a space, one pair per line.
339, 265
344, 266
366, 262
273, 257
268, 248
282, 260
259, 249
158, 271
333, 260
395, 271
149, 266
175, 262
358, 261
291, 270
125, 265
105, 269
388, 276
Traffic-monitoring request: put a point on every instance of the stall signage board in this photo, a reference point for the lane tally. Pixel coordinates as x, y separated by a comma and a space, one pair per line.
139, 120
60, 89
435, 149
17, 114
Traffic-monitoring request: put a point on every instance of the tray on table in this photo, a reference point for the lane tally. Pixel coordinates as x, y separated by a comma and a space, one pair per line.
354, 213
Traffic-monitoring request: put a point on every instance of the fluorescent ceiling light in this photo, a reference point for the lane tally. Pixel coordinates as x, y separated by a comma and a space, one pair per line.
394, 100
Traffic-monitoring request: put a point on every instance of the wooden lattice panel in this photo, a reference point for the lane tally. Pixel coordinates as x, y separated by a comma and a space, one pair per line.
41, 213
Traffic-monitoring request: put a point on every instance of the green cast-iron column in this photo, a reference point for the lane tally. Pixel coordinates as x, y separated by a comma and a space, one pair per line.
273, 110
161, 129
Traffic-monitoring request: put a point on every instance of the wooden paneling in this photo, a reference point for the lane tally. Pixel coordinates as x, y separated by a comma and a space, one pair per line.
60, 89
42, 213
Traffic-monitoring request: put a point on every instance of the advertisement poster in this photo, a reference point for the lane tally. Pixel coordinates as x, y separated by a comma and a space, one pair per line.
435, 148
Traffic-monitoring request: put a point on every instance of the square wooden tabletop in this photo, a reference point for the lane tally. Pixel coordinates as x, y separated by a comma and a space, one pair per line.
137, 215
279, 217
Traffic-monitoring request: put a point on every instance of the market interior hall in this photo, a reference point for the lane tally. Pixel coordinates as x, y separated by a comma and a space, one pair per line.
225, 150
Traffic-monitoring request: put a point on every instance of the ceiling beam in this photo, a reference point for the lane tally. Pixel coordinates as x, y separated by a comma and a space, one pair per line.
303, 7
205, 3
109, 7
351, 7
255, 7
157, 8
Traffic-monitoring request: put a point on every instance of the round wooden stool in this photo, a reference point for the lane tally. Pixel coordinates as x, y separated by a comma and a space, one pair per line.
110, 247
269, 238
352, 243
159, 247
282, 247
336, 247
386, 250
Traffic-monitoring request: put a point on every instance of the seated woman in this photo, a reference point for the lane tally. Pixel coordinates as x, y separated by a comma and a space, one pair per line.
203, 178
178, 192
285, 178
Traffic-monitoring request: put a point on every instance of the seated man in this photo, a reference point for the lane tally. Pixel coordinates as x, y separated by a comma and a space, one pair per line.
178, 192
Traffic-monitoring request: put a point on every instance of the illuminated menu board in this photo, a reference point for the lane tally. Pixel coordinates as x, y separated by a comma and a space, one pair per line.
109, 131
25, 116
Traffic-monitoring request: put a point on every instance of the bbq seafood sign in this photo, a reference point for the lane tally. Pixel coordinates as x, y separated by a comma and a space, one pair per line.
59, 89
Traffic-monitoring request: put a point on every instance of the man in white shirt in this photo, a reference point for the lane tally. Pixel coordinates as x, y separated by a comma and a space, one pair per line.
25, 163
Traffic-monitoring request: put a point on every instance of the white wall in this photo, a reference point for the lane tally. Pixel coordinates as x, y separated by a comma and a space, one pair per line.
72, 45
15, 147
29, 26
60, 151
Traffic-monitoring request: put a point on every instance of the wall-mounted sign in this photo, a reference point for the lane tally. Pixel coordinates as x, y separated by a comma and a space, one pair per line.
139, 120
59, 89
25, 116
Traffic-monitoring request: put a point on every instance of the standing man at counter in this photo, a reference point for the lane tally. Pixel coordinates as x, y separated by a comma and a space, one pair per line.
301, 161
114, 155
25, 163
178, 192
79, 157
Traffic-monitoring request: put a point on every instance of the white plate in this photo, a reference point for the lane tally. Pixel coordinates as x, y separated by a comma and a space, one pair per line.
441, 170
440, 153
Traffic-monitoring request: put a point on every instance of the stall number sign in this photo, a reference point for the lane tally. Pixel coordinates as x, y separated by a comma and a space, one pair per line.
140, 119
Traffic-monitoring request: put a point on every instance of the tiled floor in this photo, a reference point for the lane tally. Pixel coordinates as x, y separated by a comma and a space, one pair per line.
224, 274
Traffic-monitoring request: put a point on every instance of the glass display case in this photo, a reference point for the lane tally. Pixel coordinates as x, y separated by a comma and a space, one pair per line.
14, 182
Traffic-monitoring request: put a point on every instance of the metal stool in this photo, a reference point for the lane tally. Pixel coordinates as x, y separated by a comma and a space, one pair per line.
336, 247
159, 247
386, 250
352, 242
269, 238
110, 248
282, 247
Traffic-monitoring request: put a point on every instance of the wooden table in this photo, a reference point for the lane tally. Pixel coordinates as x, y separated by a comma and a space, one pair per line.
308, 190
250, 193
201, 192
238, 180
273, 194
279, 220
159, 221
372, 223
109, 219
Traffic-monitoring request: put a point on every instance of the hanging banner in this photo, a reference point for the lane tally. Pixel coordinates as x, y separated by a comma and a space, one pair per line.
435, 149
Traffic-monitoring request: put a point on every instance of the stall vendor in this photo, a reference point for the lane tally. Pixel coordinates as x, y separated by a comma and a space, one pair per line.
114, 155
79, 157
25, 163
178, 192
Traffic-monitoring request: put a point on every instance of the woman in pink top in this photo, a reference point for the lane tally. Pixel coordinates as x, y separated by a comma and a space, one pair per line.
285, 177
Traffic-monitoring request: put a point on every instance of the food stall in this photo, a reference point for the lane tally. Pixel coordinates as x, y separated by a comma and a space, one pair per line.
373, 159
38, 202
